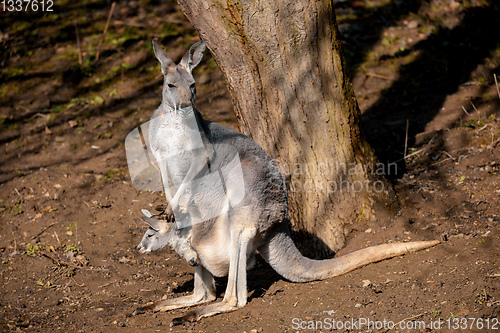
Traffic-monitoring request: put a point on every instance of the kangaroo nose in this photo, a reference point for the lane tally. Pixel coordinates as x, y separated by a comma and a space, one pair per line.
142, 249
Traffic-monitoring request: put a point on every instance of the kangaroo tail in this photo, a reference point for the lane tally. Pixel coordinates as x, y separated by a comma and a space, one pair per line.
284, 257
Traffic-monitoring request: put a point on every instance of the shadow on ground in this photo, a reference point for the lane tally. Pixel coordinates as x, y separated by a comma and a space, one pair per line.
445, 62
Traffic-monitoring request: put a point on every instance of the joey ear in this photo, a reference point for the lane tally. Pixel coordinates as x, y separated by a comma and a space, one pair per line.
162, 57
157, 225
193, 57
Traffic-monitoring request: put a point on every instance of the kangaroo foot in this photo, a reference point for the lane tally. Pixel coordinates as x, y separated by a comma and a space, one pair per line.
188, 317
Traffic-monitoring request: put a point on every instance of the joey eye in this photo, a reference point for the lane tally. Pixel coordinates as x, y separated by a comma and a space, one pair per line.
170, 85
150, 235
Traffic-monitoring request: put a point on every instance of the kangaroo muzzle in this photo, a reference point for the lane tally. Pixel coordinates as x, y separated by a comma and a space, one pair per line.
142, 249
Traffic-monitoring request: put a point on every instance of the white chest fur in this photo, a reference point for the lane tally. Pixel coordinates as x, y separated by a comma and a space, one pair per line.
174, 140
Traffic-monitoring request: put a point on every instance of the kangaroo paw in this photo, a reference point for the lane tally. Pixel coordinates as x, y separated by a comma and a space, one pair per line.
193, 262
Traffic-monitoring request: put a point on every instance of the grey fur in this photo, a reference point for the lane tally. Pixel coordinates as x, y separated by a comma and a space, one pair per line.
162, 233
225, 245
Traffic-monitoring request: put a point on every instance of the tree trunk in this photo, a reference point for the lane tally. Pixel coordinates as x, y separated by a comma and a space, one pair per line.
286, 73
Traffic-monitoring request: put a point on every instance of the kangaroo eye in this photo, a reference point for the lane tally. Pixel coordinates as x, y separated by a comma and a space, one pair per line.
170, 85
150, 235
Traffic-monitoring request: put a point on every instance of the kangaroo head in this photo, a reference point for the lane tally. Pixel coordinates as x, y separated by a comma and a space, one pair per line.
156, 237
179, 89
162, 233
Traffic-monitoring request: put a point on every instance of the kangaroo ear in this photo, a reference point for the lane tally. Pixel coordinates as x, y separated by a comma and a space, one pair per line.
193, 57
158, 225
162, 56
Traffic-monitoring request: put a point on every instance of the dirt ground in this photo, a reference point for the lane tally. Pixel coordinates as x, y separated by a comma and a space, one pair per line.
423, 73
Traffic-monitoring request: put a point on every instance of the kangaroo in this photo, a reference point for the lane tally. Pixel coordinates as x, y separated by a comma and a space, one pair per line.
160, 234
255, 222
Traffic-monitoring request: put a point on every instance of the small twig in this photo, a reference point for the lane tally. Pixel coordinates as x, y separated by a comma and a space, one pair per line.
57, 237
90, 211
417, 152
496, 83
40, 115
15, 242
442, 161
428, 144
378, 76
19, 194
96, 269
128, 298
494, 143
482, 128
447, 154
59, 262
467, 113
144, 146
105, 285
475, 107
414, 153
43, 230
393, 223
105, 31
493, 275
406, 137
80, 58
79, 285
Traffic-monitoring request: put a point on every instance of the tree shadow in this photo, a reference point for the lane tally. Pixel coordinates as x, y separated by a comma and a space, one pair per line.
361, 28
259, 280
446, 60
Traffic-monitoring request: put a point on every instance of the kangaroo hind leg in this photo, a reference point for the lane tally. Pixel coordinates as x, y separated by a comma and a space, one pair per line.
236, 290
204, 291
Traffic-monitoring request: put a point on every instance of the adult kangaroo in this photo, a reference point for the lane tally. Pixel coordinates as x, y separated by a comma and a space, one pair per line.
251, 214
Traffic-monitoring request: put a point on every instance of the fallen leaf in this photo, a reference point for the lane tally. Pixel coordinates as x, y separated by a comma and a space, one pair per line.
47, 131
72, 123
98, 100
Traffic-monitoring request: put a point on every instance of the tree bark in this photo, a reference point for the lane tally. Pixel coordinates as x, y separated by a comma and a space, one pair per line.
284, 68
